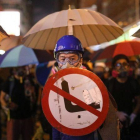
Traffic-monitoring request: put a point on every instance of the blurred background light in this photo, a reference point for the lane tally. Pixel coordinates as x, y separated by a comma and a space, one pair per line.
133, 30
10, 21
2, 52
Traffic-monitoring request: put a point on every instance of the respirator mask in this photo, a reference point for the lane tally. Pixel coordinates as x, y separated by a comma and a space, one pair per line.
121, 70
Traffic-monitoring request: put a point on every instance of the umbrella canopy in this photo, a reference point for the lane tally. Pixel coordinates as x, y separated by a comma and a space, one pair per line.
90, 27
3, 34
128, 48
95, 55
10, 42
21, 55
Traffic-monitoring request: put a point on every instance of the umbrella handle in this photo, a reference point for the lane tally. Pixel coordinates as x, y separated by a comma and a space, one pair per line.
70, 29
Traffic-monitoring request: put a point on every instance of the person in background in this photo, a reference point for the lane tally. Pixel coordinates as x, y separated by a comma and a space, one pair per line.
17, 97
135, 68
126, 92
100, 70
134, 64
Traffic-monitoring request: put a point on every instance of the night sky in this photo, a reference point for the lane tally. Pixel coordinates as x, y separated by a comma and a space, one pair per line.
42, 8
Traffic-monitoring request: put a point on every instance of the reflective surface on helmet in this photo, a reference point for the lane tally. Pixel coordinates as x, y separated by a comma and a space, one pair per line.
68, 43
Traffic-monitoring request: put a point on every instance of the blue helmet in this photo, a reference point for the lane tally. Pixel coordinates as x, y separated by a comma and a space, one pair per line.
68, 43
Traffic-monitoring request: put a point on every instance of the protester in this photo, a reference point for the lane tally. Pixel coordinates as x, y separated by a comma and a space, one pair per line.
126, 92
100, 70
69, 53
135, 68
17, 98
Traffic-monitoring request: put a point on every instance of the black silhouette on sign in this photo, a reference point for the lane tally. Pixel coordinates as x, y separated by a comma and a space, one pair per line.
68, 104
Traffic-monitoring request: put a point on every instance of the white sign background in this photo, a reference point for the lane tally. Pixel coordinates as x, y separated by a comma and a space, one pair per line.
57, 105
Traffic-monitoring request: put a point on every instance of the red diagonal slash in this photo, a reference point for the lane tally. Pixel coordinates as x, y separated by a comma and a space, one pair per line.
75, 100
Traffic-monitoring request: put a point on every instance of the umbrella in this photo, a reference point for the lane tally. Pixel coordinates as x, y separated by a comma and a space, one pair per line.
128, 48
21, 55
137, 34
90, 27
10, 42
3, 34
95, 55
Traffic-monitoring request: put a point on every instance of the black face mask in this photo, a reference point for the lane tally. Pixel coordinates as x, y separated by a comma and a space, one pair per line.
99, 74
123, 74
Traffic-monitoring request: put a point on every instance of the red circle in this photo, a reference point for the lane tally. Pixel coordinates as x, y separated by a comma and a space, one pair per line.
54, 122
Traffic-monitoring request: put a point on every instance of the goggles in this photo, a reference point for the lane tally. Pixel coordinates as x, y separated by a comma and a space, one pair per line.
121, 65
71, 60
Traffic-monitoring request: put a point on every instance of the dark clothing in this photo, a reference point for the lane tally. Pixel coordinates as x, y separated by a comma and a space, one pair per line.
23, 127
15, 90
104, 80
47, 128
60, 136
1, 84
20, 122
124, 93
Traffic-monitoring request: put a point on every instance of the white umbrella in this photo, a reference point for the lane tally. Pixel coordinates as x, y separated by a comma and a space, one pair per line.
90, 27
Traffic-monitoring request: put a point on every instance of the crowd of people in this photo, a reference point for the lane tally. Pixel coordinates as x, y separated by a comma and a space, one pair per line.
122, 82
20, 94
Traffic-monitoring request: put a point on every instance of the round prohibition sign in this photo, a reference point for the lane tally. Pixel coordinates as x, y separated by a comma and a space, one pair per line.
62, 109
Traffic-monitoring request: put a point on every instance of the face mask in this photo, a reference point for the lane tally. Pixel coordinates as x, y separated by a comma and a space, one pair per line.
67, 65
99, 74
123, 74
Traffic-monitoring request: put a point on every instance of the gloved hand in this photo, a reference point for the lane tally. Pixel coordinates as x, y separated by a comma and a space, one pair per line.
122, 116
132, 118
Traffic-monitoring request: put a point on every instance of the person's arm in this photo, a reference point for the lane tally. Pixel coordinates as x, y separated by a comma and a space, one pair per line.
4, 96
2, 99
137, 98
4, 103
136, 110
137, 107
